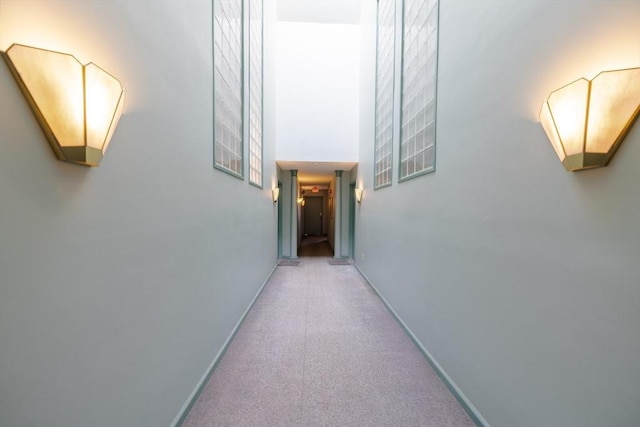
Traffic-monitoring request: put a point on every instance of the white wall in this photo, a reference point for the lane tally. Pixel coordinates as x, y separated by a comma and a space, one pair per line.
119, 284
521, 279
318, 96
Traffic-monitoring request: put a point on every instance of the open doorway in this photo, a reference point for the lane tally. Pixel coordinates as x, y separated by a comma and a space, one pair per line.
313, 217
313, 208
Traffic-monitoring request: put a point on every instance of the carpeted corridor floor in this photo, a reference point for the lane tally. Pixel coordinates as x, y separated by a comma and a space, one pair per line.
320, 349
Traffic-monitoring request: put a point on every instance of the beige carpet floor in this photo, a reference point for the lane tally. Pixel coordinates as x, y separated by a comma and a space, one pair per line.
320, 349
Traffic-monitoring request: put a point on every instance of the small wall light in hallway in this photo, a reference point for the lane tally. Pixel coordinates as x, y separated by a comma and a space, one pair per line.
77, 106
587, 120
275, 193
358, 192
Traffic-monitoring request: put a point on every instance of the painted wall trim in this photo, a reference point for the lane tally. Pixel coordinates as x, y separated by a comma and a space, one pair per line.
337, 216
294, 241
193, 397
471, 410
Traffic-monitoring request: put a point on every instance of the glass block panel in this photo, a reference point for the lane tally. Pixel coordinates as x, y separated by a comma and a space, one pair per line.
385, 53
227, 84
255, 91
419, 66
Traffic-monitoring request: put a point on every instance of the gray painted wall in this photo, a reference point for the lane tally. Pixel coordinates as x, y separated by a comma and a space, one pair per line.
521, 279
119, 285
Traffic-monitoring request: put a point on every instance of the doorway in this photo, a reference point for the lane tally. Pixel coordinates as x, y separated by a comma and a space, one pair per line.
313, 216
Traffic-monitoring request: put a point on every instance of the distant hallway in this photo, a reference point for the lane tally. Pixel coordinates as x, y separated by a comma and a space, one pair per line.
320, 349
315, 246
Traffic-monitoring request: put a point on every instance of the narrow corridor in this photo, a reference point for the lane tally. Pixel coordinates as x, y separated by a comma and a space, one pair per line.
320, 349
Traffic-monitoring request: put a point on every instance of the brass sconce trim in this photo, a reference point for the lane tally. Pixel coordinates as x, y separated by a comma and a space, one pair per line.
77, 106
587, 120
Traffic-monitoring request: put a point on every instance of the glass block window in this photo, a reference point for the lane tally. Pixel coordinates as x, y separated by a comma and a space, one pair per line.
255, 92
227, 85
385, 53
419, 66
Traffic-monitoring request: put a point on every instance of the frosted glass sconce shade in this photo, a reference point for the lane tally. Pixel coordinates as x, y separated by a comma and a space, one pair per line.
587, 120
275, 193
358, 192
78, 106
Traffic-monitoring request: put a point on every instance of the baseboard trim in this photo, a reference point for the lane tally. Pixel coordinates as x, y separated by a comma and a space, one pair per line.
191, 400
473, 412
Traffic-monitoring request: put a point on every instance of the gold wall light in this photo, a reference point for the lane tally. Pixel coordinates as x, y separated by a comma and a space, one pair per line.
301, 201
78, 106
587, 120
275, 193
358, 192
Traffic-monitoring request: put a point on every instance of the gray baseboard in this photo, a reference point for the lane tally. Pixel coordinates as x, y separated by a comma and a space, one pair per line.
193, 397
473, 412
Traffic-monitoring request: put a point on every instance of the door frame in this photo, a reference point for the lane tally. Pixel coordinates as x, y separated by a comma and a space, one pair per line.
279, 232
352, 220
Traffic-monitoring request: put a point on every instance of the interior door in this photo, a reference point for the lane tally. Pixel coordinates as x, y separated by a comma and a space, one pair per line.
313, 216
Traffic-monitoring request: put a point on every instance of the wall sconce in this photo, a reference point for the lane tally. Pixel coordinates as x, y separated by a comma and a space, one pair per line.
301, 201
358, 192
77, 106
275, 193
587, 120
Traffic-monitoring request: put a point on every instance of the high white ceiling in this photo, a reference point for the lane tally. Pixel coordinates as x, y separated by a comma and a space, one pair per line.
326, 12
321, 11
316, 172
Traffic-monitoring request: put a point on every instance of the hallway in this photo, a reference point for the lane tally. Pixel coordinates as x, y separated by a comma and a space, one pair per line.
315, 246
319, 348
123, 286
